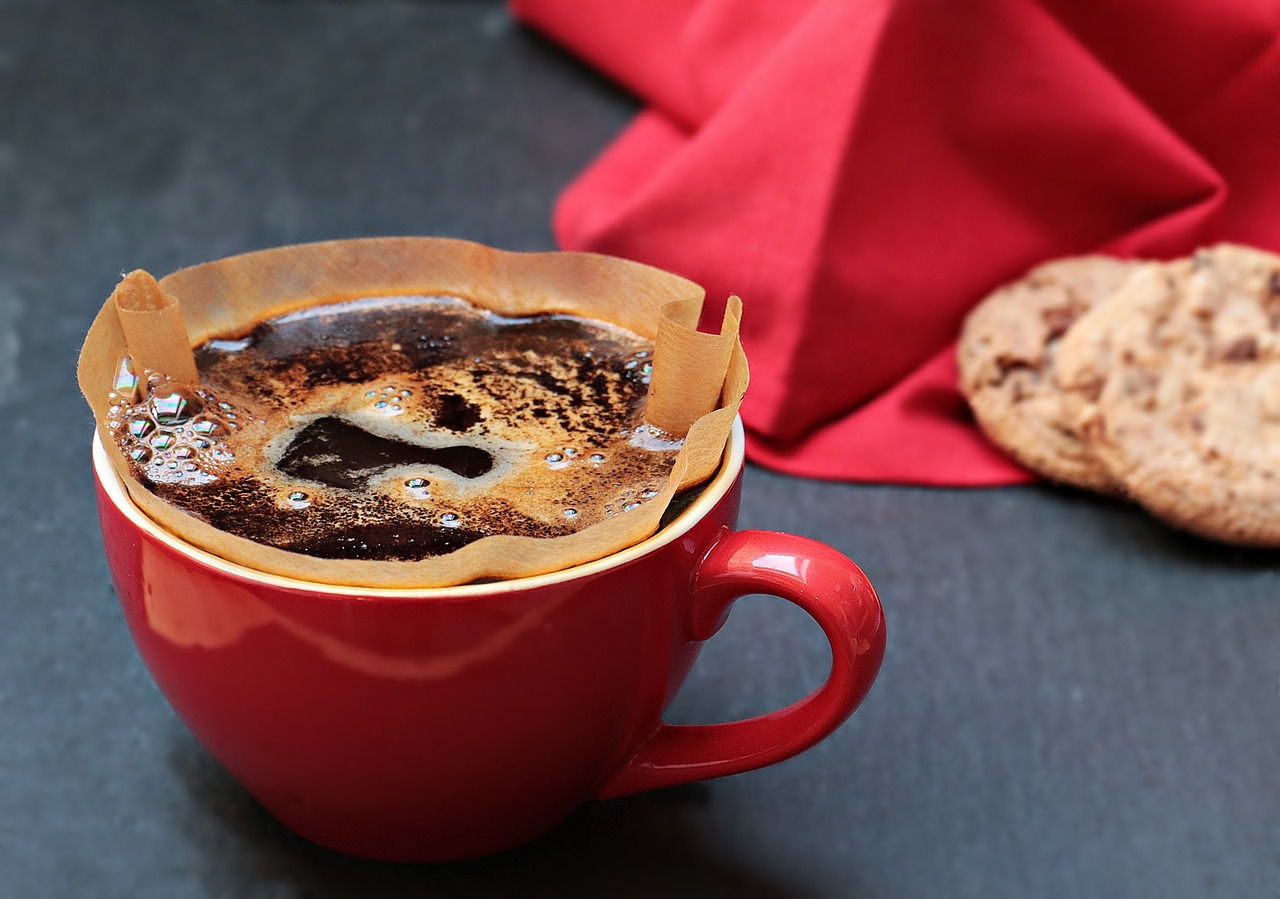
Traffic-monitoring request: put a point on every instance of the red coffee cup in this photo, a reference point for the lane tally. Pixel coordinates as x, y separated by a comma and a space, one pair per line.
434, 724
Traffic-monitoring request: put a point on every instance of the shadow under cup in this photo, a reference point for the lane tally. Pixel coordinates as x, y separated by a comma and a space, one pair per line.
444, 723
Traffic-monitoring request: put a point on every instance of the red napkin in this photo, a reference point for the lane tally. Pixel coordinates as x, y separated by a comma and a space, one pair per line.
863, 172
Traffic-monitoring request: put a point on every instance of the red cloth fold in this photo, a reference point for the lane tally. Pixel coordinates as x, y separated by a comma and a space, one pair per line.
862, 173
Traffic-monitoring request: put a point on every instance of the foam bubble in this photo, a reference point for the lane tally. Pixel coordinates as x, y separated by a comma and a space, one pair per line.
125, 385
230, 346
647, 437
389, 399
155, 433
175, 407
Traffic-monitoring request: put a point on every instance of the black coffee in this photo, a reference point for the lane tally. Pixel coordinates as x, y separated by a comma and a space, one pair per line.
334, 452
404, 427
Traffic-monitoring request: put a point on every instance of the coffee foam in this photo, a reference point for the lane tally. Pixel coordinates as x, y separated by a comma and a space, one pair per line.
354, 415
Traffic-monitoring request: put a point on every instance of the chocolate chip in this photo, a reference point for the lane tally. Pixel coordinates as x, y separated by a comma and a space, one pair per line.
1092, 389
1059, 318
1010, 364
1243, 349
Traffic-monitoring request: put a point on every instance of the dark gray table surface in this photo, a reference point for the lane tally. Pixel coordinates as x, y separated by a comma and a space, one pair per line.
1075, 701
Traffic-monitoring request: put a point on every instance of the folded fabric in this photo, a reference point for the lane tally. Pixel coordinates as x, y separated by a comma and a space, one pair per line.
862, 172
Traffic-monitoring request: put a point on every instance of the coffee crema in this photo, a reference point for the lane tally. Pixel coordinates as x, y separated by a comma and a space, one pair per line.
400, 428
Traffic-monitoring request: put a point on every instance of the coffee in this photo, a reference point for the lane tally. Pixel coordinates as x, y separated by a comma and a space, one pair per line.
400, 428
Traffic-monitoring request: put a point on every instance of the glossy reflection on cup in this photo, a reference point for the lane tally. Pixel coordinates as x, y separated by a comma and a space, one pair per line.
444, 723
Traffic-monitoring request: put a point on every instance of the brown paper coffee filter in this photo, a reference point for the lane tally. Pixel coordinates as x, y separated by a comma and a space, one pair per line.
697, 383
684, 385
153, 328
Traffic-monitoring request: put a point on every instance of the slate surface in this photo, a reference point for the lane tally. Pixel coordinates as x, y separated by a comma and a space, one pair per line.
1075, 702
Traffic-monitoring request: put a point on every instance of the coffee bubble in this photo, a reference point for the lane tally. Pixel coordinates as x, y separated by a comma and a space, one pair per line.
155, 432
231, 345
647, 437
389, 399
174, 407
125, 385
417, 488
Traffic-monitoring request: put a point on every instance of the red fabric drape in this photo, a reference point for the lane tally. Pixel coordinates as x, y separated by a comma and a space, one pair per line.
862, 172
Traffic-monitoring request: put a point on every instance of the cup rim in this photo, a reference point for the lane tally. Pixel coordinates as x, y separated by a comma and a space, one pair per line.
731, 464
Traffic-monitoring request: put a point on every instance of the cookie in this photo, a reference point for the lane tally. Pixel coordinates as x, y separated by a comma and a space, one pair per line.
1174, 384
1006, 357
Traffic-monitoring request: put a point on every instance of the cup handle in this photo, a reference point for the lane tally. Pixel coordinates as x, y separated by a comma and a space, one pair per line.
819, 580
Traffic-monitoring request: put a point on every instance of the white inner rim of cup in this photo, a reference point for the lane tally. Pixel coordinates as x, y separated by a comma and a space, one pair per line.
711, 494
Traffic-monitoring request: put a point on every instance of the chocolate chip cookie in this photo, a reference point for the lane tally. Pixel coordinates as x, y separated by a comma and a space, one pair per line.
1006, 357
1174, 385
